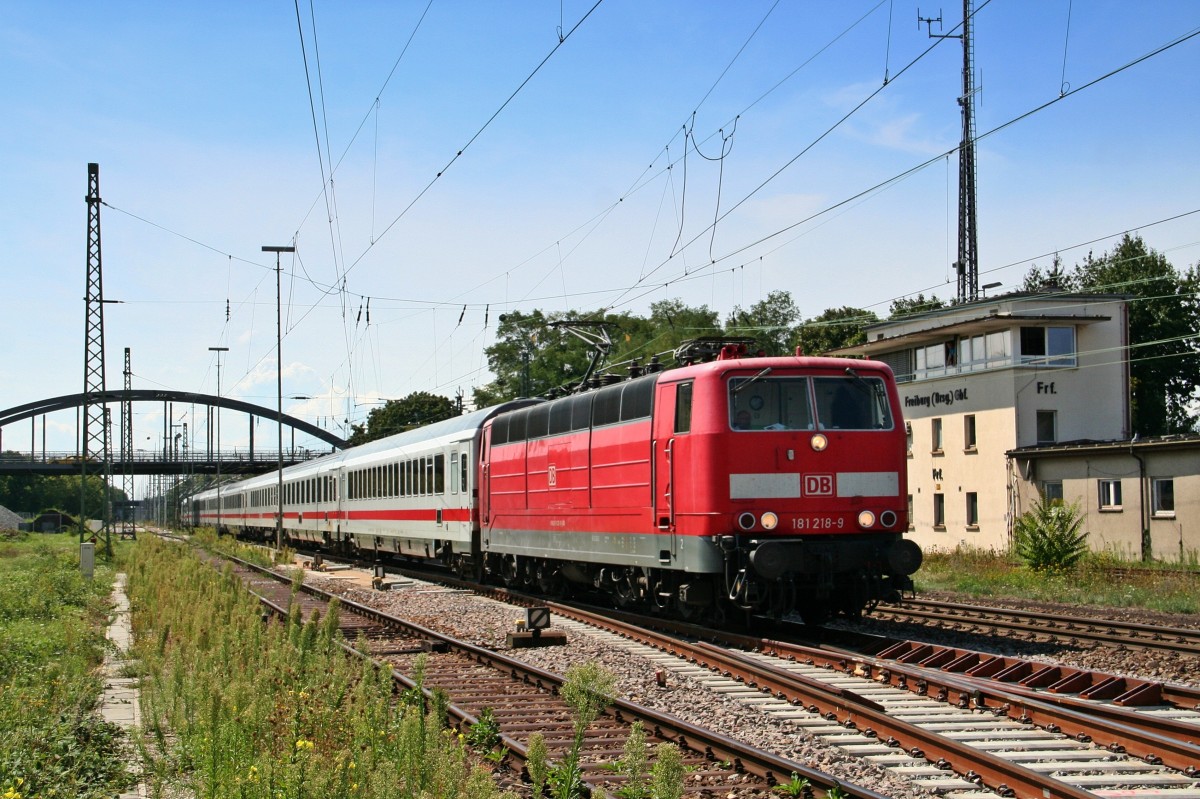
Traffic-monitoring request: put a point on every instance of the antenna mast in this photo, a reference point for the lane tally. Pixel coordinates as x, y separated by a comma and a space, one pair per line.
967, 264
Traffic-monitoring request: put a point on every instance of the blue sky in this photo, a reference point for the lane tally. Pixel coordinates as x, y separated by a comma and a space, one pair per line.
201, 120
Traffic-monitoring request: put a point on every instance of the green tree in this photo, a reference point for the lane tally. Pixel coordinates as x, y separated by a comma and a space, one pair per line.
835, 328
1164, 315
531, 357
906, 306
1055, 278
396, 416
769, 322
33, 493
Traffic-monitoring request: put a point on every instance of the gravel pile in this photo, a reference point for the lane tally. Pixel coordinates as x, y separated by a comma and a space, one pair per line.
485, 623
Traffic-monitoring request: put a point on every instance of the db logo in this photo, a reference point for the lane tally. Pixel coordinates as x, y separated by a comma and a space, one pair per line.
552, 474
818, 485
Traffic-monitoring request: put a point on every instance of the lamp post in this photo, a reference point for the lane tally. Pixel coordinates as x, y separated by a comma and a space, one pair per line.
218, 351
279, 391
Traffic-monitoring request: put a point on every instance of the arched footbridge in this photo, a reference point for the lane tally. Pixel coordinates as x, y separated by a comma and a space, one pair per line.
170, 458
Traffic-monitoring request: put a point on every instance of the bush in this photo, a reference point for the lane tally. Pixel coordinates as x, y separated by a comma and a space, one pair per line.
1047, 537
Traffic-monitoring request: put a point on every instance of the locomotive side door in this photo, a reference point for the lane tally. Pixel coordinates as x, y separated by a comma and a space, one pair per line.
672, 422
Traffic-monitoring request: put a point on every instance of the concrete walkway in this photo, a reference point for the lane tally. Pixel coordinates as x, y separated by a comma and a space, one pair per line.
119, 703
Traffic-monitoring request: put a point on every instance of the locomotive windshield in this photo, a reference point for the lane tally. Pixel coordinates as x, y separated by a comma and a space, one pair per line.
762, 402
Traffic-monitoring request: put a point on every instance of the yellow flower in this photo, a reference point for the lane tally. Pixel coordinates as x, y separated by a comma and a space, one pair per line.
303, 744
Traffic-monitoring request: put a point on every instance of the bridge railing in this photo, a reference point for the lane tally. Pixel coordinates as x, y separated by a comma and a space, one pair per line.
182, 458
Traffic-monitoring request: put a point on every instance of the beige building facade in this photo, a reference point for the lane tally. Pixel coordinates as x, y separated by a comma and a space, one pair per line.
1141, 497
981, 379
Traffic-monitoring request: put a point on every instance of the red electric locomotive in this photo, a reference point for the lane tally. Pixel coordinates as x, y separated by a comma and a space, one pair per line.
744, 484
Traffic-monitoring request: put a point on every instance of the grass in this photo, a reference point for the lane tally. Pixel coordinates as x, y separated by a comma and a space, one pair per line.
234, 707
52, 741
1096, 580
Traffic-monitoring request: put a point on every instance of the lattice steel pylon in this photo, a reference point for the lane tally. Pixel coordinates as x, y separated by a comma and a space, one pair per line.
968, 253
967, 264
94, 436
128, 527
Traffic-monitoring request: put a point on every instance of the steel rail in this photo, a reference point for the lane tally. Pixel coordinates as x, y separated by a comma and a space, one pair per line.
709, 744
1146, 636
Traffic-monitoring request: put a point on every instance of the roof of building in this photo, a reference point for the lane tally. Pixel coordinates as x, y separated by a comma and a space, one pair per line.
986, 317
1110, 447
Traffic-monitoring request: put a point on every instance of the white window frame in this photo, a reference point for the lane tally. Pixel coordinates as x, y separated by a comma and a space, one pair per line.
1110, 494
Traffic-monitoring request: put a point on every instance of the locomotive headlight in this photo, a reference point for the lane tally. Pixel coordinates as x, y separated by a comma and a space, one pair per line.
819, 442
769, 521
866, 519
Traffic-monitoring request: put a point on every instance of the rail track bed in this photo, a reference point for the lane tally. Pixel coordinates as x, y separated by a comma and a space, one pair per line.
1033, 625
943, 732
524, 699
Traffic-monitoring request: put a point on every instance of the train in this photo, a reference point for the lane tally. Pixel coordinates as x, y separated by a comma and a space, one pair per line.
740, 485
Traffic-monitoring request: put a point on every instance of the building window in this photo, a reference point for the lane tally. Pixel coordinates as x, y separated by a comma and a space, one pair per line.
937, 435
1110, 494
1048, 346
939, 511
910, 512
1163, 497
969, 432
972, 509
1052, 491
908, 436
1047, 427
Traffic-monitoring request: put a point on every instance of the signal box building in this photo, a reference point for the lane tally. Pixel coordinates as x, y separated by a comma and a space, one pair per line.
979, 380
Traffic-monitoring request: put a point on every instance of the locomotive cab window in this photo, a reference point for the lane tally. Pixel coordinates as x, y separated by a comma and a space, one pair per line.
852, 403
758, 402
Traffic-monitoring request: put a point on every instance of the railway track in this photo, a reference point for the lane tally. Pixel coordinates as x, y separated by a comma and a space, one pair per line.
947, 735
1033, 625
947, 720
524, 699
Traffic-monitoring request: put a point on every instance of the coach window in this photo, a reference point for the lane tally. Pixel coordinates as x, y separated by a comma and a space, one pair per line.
463, 465
439, 474
683, 408
453, 472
